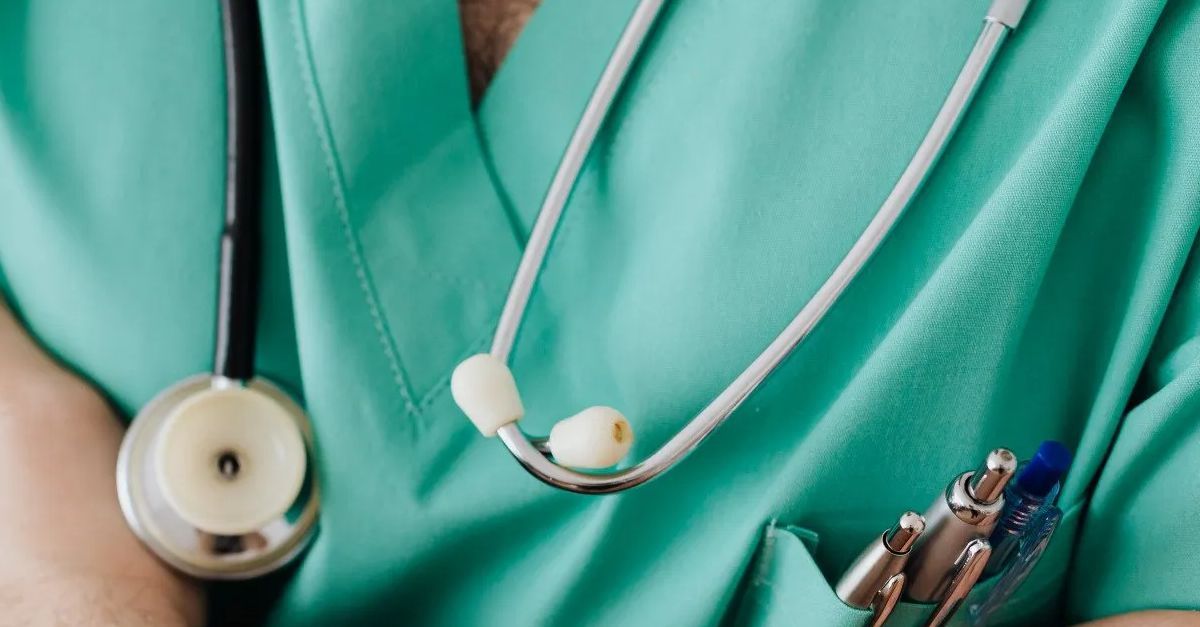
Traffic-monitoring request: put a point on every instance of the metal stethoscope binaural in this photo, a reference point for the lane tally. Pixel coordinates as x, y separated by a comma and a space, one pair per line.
599, 437
214, 474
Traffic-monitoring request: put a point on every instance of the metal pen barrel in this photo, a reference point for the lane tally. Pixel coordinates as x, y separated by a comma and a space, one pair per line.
882, 559
969, 510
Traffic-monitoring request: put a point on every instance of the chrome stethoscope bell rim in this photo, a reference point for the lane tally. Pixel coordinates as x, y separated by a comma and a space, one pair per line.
157, 523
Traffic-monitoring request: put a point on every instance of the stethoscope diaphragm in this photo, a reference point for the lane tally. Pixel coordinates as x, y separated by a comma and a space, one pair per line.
213, 476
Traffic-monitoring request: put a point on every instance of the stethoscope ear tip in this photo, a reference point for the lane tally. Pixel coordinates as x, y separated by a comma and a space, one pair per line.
484, 389
597, 437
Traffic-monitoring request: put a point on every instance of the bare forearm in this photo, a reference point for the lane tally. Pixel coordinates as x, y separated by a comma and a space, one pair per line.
99, 602
68, 557
1151, 618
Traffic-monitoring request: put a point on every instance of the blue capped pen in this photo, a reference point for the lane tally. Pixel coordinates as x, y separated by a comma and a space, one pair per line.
1029, 520
1035, 488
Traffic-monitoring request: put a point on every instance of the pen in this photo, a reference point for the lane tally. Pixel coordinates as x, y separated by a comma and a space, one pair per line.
1029, 520
1032, 545
969, 510
876, 578
968, 567
1035, 488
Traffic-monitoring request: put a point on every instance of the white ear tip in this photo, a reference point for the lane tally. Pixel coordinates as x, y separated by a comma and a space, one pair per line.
597, 437
484, 389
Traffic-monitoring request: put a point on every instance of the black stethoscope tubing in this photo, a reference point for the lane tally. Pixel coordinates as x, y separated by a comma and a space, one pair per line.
241, 238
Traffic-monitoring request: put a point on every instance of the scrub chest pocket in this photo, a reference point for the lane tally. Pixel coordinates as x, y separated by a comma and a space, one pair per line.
785, 587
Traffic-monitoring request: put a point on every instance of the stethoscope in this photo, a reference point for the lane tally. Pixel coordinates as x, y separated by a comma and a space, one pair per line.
599, 437
214, 474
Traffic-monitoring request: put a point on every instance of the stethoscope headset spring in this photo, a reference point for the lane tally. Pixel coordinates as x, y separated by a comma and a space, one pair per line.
598, 438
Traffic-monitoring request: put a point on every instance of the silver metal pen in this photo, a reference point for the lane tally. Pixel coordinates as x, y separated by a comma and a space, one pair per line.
968, 511
876, 578
967, 570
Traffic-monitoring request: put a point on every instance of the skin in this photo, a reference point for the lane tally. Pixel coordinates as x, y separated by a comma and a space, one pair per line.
490, 27
68, 558
1151, 618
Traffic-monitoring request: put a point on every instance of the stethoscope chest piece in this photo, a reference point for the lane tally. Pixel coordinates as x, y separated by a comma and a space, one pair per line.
213, 476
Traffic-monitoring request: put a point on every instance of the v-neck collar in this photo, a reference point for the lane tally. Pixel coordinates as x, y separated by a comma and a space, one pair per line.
434, 199
528, 112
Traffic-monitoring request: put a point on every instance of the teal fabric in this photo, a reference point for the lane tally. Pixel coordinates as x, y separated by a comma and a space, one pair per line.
785, 586
1036, 288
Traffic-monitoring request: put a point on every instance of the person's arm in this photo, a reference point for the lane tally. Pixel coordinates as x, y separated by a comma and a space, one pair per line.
1150, 618
66, 556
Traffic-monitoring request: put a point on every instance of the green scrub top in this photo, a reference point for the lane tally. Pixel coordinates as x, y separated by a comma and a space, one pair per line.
1039, 286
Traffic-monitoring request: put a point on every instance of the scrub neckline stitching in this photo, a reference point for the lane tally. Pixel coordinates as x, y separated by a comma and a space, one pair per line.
333, 171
